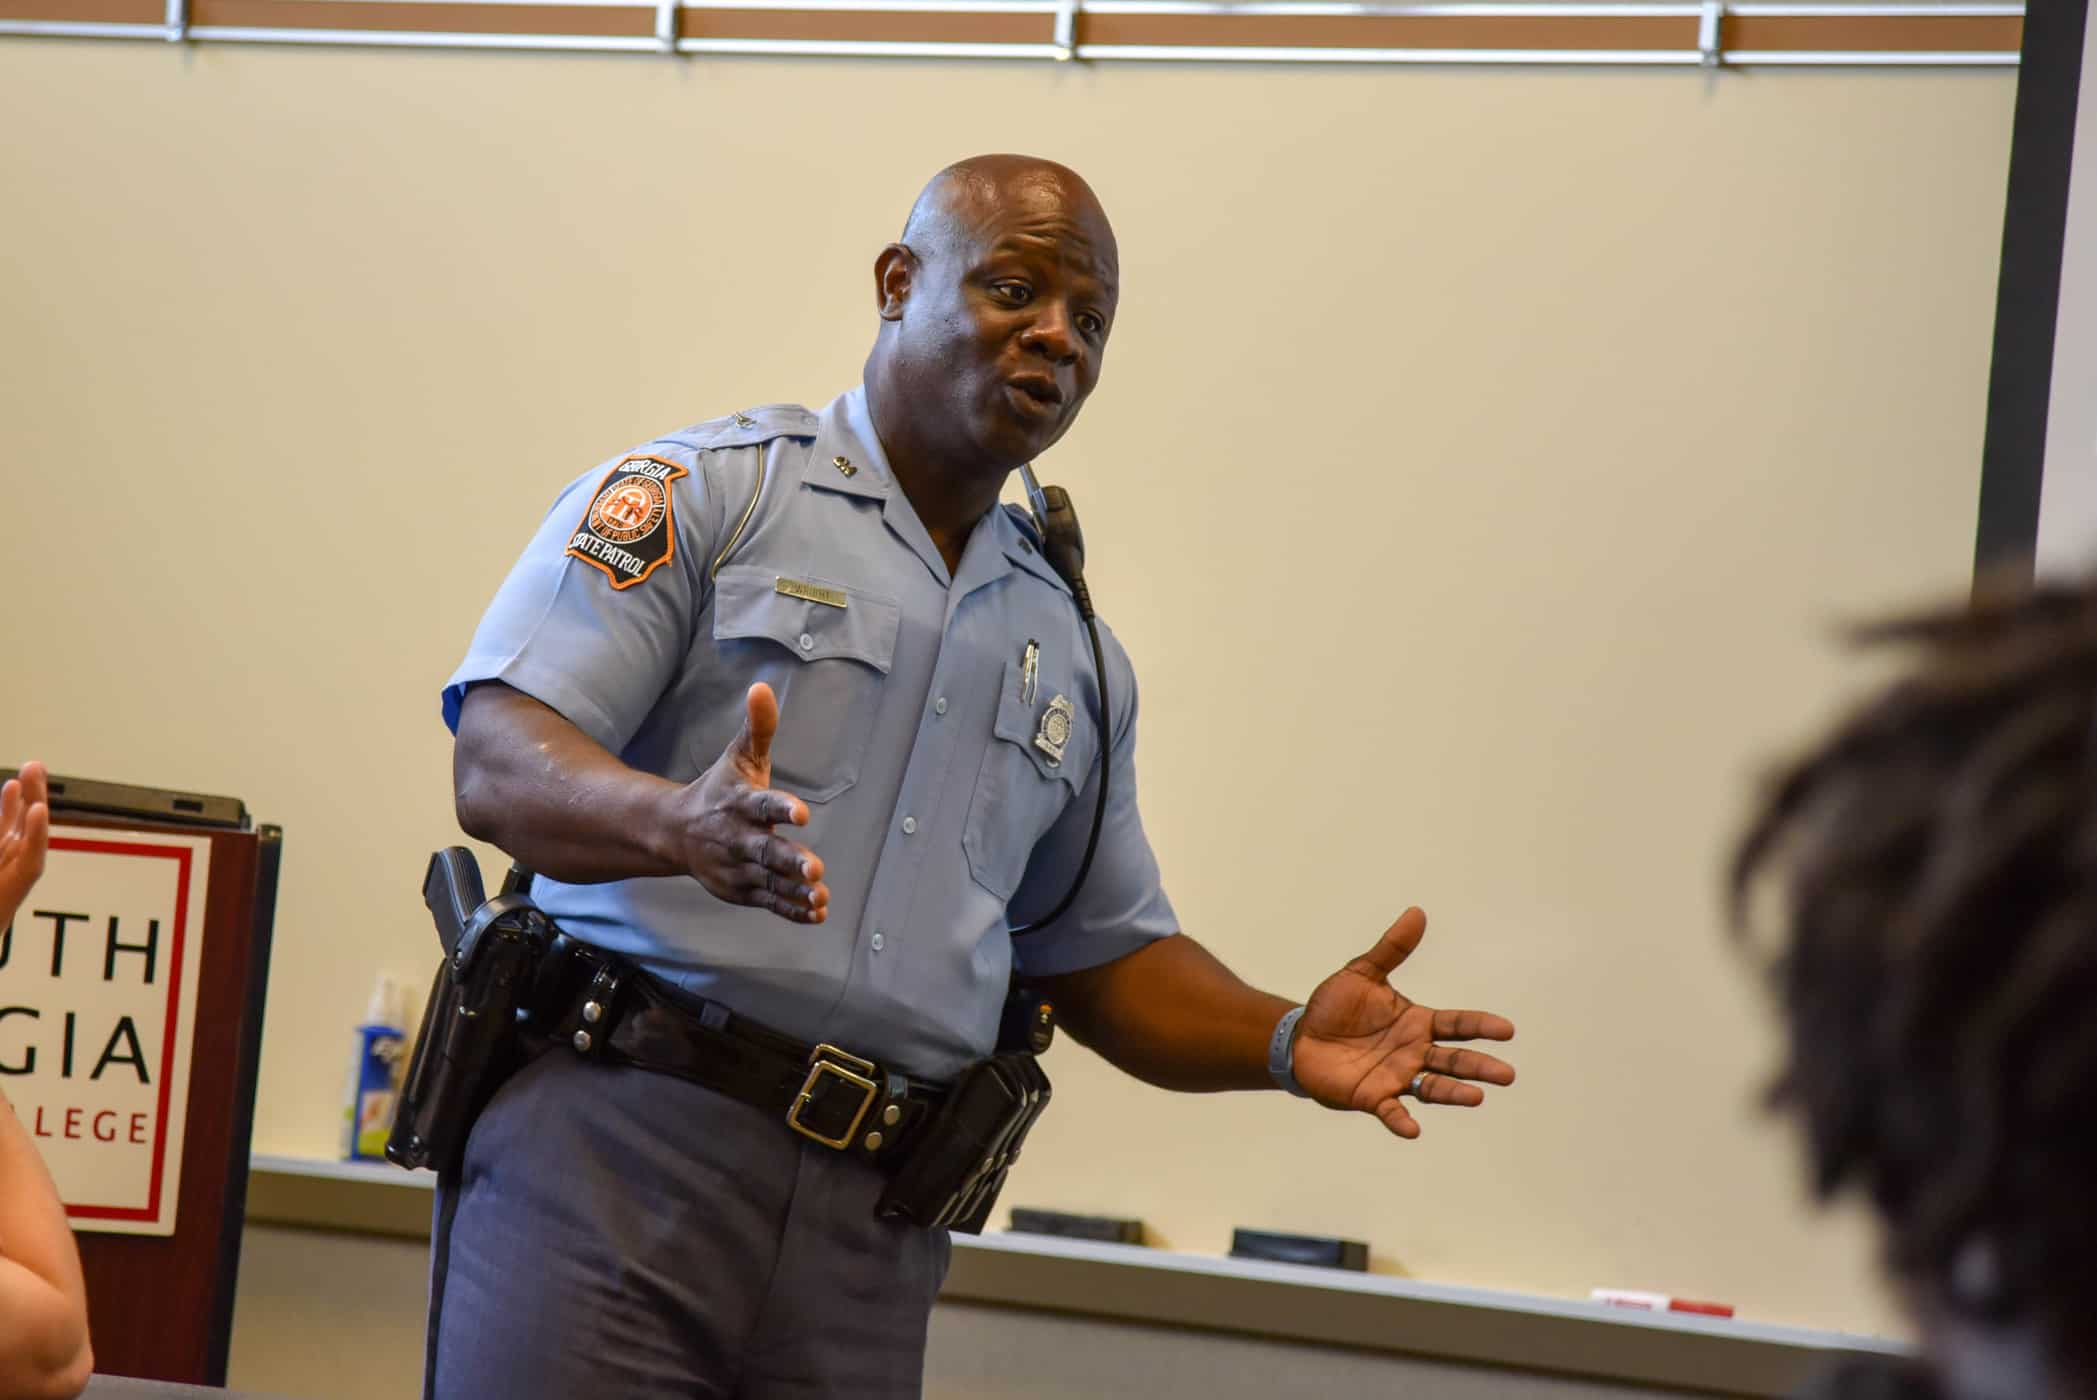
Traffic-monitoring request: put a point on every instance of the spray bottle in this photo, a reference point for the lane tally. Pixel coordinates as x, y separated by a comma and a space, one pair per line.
374, 1078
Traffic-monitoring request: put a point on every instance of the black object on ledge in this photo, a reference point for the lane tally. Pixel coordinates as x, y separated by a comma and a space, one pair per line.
1104, 1228
1300, 1249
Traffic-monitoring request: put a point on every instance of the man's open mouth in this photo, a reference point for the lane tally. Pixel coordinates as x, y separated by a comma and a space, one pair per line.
1039, 389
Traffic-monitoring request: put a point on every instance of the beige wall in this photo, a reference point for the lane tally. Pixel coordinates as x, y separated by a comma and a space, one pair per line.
1481, 460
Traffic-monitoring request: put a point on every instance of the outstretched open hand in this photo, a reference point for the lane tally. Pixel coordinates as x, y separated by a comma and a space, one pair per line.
25, 831
1361, 1042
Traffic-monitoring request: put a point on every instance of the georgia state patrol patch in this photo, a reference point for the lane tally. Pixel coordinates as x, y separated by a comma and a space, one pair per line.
630, 529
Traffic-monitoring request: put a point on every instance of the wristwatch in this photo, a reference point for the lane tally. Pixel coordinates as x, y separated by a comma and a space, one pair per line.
1281, 1053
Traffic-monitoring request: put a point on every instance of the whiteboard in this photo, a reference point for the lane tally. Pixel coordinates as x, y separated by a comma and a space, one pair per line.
1481, 461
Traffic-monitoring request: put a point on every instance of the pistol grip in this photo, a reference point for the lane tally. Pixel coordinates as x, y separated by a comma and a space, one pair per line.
452, 889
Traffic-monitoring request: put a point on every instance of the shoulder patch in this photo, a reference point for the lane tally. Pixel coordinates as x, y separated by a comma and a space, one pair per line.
630, 528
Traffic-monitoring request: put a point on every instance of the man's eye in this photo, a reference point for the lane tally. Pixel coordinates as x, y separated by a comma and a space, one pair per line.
1092, 325
1017, 293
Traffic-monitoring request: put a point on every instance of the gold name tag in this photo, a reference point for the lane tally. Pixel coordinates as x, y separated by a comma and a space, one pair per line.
814, 593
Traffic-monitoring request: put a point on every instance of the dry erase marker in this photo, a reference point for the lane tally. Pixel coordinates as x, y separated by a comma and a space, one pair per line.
1657, 1302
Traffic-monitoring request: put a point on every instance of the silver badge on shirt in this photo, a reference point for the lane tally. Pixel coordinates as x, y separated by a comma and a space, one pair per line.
1055, 729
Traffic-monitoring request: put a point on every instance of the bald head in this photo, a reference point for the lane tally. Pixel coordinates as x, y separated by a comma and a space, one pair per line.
962, 202
995, 309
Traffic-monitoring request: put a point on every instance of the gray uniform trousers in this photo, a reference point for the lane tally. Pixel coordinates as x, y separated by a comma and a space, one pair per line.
617, 1234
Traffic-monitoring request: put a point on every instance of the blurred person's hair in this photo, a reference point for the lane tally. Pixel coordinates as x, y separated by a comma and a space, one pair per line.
1937, 968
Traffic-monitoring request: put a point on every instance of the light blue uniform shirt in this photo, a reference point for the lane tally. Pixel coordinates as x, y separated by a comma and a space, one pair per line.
906, 724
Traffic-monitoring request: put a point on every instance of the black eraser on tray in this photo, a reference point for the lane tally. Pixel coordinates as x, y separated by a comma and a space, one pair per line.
1300, 1249
1077, 1227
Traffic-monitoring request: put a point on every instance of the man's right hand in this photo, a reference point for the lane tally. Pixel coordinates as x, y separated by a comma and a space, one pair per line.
529, 781
726, 820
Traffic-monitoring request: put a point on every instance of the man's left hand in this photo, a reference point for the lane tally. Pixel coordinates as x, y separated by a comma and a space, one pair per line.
1361, 1042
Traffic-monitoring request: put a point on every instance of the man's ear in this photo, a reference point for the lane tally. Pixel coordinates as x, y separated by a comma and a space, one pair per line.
894, 272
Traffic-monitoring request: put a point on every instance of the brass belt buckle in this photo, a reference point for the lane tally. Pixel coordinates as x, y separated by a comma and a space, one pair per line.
828, 1059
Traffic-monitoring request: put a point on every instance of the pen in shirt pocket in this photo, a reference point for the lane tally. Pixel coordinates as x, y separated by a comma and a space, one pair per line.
1029, 671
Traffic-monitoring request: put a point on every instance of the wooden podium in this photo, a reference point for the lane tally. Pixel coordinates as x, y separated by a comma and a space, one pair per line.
160, 1304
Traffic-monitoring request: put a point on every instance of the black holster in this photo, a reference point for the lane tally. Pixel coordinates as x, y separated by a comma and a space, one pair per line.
470, 1041
952, 1176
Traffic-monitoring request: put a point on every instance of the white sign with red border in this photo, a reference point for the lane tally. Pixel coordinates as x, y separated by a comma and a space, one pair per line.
98, 1002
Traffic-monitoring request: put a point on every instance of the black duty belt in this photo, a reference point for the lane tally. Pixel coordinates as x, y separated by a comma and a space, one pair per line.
512, 985
605, 1009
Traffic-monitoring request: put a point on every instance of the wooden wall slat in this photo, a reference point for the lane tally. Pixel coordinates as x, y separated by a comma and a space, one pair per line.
424, 19
1863, 34
85, 11
866, 26
1546, 32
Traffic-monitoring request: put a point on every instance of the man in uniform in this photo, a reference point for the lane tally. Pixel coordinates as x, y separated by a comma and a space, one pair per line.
823, 624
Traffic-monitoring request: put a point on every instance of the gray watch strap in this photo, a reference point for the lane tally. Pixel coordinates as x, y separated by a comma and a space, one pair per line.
1281, 1053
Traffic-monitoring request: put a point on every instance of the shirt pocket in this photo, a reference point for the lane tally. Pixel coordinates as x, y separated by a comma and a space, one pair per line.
1024, 783
827, 665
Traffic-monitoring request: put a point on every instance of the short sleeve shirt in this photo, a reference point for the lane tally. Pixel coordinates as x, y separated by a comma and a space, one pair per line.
944, 728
